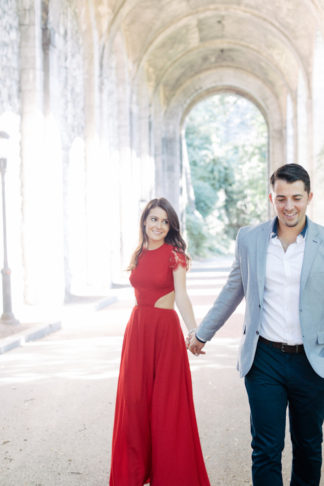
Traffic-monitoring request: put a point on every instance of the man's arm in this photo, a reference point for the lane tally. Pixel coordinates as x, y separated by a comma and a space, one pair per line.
225, 304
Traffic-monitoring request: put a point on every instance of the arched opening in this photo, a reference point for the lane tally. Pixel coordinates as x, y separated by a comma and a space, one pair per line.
317, 124
227, 148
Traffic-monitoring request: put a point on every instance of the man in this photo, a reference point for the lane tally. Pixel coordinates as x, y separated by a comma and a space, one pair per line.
279, 268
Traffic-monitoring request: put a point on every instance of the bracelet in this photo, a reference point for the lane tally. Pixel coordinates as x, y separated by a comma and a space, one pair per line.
200, 340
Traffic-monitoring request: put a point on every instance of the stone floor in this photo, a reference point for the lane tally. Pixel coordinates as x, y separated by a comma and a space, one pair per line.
57, 396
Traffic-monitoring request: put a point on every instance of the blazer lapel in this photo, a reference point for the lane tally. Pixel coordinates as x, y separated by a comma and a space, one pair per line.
311, 247
262, 247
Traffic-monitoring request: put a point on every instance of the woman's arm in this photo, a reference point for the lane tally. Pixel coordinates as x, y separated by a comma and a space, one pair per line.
184, 305
182, 299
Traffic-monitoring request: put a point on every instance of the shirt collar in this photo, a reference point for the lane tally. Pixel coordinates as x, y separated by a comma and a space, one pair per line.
274, 232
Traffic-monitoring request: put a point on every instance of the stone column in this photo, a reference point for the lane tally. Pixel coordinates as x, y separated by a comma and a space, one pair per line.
10, 124
41, 170
98, 239
171, 168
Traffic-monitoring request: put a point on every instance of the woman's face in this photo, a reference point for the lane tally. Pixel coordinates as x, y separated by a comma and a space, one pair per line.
156, 227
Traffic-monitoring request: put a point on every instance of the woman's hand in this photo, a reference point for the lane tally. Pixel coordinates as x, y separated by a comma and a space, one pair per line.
189, 336
195, 346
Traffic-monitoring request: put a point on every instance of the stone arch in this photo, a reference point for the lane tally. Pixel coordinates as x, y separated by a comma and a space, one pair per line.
290, 138
317, 85
206, 84
259, 23
183, 43
198, 99
318, 123
112, 79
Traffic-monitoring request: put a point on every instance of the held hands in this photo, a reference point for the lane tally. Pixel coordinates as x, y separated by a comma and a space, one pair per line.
193, 344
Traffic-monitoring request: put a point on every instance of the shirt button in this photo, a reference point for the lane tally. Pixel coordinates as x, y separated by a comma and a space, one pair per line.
257, 332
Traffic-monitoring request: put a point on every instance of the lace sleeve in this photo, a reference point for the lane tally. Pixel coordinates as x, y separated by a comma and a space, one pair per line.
177, 258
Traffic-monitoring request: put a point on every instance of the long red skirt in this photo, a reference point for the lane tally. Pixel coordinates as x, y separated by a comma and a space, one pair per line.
155, 438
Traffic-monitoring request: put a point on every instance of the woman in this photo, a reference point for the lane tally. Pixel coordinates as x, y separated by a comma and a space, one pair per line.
155, 437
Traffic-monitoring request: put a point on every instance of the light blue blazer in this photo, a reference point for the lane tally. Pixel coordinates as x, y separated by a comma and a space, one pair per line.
247, 279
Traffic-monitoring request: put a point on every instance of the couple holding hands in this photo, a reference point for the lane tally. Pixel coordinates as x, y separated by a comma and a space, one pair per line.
279, 269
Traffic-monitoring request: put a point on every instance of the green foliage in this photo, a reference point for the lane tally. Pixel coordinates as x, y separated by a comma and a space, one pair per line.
227, 146
197, 236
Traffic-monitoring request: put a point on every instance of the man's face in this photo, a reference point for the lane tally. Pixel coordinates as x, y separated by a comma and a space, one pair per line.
290, 201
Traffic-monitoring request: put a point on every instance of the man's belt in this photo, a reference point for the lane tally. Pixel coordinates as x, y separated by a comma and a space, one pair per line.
285, 348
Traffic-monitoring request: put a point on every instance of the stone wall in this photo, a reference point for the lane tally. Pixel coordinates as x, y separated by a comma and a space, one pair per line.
94, 95
63, 48
76, 185
10, 123
9, 55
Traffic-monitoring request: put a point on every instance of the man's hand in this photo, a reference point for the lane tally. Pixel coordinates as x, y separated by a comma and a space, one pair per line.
196, 346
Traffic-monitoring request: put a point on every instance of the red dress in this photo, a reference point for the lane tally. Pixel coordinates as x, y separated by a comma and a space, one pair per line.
155, 438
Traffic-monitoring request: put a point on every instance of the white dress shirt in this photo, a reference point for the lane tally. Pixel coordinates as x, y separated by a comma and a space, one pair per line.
280, 321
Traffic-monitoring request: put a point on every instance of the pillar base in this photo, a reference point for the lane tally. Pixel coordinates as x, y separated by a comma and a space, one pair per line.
9, 319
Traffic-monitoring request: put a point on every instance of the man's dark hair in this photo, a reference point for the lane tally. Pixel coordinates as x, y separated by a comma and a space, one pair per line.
291, 173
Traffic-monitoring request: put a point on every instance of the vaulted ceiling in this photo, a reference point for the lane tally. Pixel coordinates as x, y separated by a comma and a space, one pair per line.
174, 42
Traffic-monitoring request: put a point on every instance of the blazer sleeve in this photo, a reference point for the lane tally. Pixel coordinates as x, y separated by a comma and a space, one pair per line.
227, 301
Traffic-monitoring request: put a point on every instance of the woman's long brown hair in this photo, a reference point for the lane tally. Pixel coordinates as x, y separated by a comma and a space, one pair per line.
173, 237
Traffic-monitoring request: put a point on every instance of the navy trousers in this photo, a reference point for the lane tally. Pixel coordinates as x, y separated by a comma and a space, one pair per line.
276, 381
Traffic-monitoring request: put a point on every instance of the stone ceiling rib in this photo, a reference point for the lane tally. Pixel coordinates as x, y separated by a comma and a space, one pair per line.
226, 79
241, 55
155, 37
200, 95
272, 44
202, 85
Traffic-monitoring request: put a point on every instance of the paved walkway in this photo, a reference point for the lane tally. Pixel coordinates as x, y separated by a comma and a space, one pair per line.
57, 396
